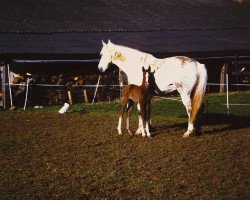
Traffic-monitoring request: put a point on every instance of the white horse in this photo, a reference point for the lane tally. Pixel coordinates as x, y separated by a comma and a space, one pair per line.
186, 75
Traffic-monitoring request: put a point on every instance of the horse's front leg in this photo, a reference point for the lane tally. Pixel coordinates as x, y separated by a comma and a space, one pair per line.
143, 116
149, 116
140, 129
147, 119
138, 132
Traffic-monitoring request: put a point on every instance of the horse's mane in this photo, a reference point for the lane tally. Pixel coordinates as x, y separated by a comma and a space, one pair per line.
128, 49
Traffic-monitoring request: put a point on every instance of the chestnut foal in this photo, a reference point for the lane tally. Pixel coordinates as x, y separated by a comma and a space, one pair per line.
141, 95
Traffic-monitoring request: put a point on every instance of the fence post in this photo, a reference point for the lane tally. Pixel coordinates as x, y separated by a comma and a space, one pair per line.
26, 94
85, 95
2, 90
70, 97
3, 77
224, 71
227, 95
9, 83
96, 88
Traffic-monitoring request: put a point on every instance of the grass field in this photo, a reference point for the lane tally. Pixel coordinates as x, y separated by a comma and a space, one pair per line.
79, 155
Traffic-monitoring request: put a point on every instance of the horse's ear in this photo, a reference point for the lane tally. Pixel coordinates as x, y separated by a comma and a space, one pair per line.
103, 43
109, 41
149, 68
143, 69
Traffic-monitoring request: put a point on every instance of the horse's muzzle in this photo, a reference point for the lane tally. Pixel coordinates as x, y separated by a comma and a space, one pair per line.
100, 69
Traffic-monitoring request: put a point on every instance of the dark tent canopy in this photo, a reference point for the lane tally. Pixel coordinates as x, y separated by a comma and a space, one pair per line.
75, 29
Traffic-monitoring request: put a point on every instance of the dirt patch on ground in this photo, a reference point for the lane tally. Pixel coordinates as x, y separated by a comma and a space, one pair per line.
80, 156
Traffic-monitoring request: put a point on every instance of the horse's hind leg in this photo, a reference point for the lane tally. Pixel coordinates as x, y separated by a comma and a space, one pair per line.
186, 100
195, 108
199, 120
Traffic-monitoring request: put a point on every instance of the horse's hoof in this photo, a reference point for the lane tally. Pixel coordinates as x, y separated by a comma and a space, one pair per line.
151, 129
119, 133
149, 136
186, 135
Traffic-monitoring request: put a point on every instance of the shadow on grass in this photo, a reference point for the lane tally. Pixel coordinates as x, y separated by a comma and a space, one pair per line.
233, 122
217, 121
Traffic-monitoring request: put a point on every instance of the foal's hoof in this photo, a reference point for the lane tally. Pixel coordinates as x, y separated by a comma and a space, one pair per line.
138, 132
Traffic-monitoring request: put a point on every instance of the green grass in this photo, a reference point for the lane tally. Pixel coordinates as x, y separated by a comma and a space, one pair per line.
79, 155
215, 103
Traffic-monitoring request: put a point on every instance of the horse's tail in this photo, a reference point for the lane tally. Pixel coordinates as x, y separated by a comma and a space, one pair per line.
198, 92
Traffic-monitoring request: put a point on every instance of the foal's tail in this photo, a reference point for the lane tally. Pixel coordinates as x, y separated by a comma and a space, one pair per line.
198, 92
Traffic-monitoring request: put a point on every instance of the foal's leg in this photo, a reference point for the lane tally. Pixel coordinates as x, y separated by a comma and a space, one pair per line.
119, 127
129, 111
